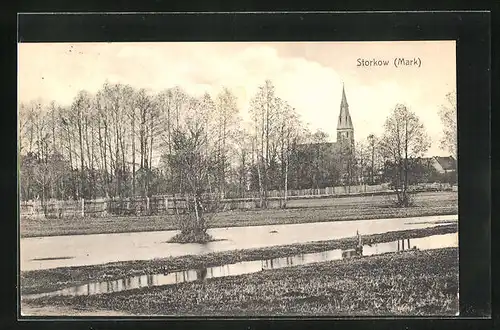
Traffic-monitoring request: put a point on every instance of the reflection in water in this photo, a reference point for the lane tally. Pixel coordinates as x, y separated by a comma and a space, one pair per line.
248, 267
88, 249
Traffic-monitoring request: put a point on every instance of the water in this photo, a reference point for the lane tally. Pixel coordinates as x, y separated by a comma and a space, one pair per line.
245, 267
81, 250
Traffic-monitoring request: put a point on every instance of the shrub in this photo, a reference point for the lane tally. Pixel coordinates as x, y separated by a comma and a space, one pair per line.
193, 219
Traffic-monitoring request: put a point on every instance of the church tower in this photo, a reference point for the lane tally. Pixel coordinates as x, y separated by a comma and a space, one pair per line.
345, 129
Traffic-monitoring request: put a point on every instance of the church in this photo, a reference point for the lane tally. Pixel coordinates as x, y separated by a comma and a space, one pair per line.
345, 129
326, 164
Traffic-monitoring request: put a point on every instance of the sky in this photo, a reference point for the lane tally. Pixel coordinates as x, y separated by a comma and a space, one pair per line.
307, 75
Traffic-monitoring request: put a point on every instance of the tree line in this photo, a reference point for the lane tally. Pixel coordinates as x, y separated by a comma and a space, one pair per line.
122, 142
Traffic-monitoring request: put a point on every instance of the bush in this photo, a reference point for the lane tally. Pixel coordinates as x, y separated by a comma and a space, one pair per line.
192, 236
401, 200
193, 220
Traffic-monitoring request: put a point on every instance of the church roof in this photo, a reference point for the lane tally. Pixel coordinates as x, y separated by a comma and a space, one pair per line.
344, 116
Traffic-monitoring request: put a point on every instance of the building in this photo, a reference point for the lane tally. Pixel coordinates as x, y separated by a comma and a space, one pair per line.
434, 169
325, 164
345, 132
444, 165
345, 129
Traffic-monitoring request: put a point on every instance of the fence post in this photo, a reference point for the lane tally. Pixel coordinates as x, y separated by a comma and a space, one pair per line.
59, 209
83, 207
166, 204
147, 204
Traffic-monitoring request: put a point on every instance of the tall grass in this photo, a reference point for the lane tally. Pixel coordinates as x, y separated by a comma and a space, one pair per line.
410, 283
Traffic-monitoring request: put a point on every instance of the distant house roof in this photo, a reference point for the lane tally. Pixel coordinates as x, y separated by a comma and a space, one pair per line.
442, 163
447, 163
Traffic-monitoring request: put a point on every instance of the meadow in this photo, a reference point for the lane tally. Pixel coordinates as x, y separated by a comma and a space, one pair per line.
407, 283
297, 211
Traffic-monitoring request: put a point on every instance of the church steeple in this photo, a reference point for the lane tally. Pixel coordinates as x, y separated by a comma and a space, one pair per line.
344, 121
345, 129
343, 103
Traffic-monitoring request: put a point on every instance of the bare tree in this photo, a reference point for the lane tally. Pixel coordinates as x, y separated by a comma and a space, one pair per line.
24, 124
56, 158
179, 101
243, 149
171, 103
28, 116
133, 116
80, 108
148, 111
318, 139
104, 142
404, 139
118, 99
67, 124
226, 120
362, 154
193, 163
448, 114
42, 168
372, 143
289, 129
262, 111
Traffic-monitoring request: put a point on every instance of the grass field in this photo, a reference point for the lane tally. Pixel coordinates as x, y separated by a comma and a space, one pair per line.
409, 283
298, 211
46, 280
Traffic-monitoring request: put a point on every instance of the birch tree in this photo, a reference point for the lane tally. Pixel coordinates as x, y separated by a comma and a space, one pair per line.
372, 143
289, 129
226, 121
448, 115
192, 162
404, 139
171, 103
262, 111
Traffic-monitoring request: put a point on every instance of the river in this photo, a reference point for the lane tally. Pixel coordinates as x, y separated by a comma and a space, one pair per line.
80, 250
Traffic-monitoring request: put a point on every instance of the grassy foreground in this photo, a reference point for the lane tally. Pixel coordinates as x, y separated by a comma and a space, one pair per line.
410, 283
46, 280
298, 211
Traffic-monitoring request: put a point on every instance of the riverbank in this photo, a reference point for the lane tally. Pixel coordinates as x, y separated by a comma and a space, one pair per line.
409, 283
298, 211
37, 281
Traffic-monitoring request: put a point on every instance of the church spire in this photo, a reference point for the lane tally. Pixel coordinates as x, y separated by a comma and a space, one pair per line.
343, 103
344, 121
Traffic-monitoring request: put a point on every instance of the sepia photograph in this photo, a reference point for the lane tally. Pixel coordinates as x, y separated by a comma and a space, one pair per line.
238, 179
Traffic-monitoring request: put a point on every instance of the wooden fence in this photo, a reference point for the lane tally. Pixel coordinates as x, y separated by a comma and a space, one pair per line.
166, 204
